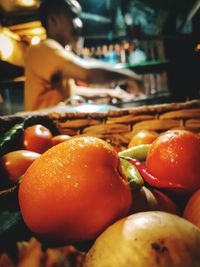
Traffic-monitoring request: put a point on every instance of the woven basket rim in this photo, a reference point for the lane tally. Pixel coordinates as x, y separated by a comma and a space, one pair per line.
143, 109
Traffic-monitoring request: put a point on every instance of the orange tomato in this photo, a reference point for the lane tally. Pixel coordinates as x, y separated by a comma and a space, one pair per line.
36, 138
192, 209
174, 159
15, 163
57, 139
74, 191
143, 137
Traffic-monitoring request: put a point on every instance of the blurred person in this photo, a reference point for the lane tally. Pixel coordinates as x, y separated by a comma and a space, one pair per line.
52, 68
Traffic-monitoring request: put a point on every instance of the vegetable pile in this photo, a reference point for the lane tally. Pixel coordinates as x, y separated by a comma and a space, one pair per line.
68, 191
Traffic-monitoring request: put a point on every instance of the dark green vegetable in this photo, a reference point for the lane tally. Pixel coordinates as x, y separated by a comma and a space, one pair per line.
8, 219
10, 140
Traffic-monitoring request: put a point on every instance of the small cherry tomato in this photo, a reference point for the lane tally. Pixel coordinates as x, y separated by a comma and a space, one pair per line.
15, 163
57, 139
142, 137
36, 138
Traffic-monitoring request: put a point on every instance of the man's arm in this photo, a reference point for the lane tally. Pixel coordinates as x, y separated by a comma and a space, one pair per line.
50, 58
94, 72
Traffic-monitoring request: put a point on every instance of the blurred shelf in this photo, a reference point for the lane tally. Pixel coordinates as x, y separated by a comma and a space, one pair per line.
151, 66
158, 98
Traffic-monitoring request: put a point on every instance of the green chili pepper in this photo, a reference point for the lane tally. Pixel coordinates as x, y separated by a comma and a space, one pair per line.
134, 178
10, 140
138, 152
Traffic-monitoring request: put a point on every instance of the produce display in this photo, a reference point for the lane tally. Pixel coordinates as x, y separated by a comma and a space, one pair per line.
82, 201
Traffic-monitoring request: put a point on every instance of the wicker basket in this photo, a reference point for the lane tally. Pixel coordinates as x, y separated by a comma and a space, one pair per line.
116, 126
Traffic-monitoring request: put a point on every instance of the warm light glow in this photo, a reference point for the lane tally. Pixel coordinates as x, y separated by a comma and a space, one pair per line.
26, 2
6, 47
35, 40
126, 46
197, 48
37, 31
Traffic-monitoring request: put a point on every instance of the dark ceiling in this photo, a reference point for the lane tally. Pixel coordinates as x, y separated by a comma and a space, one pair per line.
98, 16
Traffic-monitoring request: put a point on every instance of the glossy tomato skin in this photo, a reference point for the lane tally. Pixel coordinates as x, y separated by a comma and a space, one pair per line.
74, 191
174, 158
15, 163
142, 137
36, 138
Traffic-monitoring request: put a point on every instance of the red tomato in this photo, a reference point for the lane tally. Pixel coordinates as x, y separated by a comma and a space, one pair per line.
14, 164
57, 139
174, 159
36, 138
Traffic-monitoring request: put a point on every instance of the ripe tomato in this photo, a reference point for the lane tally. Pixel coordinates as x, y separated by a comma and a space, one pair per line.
36, 138
143, 137
15, 163
174, 159
74, 191
57, 139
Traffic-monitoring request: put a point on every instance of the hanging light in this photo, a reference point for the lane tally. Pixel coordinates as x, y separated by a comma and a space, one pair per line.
6, 47
26, 2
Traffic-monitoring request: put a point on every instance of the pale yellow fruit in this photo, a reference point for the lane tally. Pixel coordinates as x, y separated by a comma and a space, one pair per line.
152, 238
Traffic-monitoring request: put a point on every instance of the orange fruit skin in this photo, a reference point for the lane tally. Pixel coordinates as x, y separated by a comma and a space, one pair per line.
174, 157
142, 137
74, 191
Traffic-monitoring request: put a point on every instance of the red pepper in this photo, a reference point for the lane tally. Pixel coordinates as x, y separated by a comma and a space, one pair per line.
152, 180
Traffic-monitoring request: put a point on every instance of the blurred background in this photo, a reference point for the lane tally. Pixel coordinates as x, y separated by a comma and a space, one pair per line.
158, 39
